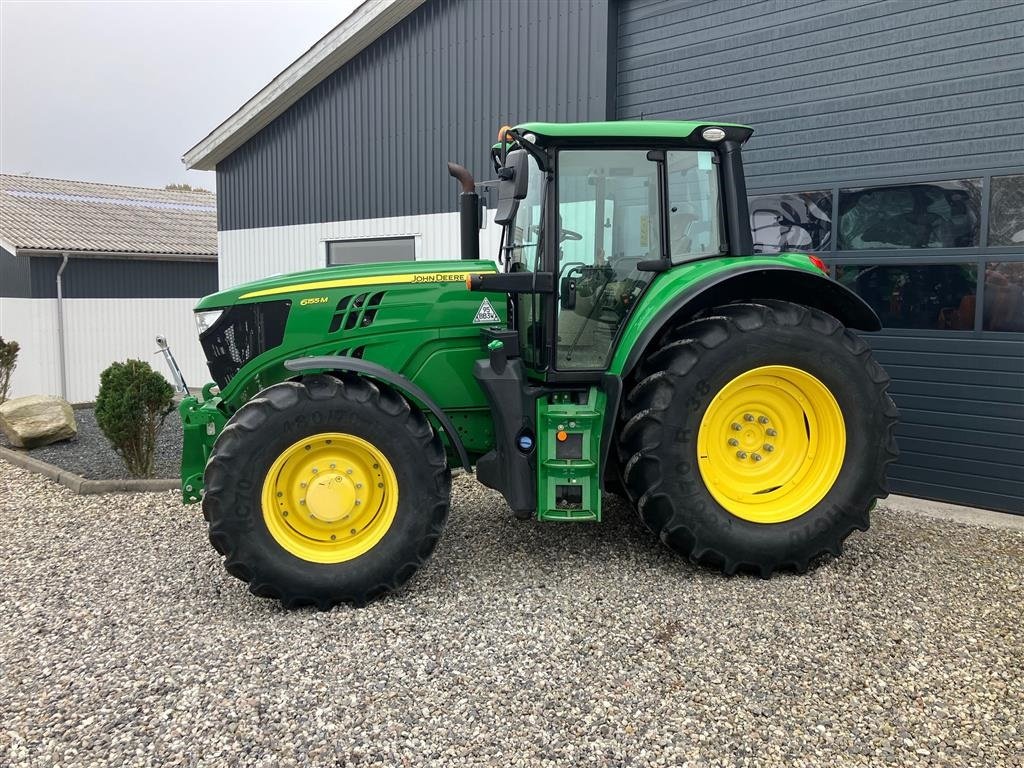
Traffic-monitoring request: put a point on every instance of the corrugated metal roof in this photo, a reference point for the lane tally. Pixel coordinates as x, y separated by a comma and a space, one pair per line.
60, 215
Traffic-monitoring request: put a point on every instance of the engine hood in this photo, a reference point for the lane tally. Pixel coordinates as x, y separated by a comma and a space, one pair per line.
299, 285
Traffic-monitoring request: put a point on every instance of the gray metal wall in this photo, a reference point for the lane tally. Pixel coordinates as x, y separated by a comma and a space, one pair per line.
123, 278
836, 90
960, 401
14, 275
861, 91
372, 139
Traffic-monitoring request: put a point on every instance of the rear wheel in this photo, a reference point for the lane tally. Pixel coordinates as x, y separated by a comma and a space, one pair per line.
326, 491
757, 437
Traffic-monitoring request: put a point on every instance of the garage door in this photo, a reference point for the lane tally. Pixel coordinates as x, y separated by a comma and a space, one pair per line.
888, 141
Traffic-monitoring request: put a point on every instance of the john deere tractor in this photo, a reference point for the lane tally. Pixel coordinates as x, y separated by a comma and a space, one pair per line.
625, 338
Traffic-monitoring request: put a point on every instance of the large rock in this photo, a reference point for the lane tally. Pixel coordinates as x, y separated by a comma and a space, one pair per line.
30, 422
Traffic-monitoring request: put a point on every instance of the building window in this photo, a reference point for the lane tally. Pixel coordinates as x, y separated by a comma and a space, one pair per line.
1004, 296
792, 221
1006, 211
936, 214
371, 251
937, 297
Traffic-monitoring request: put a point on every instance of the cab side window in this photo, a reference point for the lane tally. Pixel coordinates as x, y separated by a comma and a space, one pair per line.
694, 208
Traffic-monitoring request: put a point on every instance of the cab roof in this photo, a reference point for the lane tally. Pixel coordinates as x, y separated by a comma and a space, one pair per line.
639, 129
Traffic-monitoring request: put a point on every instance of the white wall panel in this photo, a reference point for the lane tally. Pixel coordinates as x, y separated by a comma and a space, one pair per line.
97, 333
250, 254
33, 324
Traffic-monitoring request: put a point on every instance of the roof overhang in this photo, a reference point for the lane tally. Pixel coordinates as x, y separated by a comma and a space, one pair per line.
130, 255
357, 31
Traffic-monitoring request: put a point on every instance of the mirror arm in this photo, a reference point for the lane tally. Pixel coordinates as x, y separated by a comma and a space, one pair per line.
536, 152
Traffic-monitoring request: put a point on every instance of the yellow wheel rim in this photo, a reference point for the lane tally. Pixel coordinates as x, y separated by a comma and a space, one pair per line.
330, 497
771, 444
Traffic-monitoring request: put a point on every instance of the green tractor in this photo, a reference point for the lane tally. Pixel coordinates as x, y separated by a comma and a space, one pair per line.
625, 339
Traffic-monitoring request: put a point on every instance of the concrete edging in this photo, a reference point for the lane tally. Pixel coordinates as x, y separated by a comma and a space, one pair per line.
955, 513
83, 485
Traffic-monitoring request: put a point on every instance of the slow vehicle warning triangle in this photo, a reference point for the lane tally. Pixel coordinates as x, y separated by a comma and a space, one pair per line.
486, 313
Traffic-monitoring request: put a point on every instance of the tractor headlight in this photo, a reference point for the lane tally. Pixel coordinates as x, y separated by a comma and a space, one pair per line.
205, 320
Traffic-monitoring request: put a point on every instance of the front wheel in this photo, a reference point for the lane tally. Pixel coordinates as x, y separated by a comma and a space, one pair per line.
325, 491
757, 437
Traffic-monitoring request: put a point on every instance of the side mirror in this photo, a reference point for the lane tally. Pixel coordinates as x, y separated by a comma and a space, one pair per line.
513, 184
567, 293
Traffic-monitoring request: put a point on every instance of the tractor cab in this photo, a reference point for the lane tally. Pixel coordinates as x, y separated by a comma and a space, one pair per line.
596, 215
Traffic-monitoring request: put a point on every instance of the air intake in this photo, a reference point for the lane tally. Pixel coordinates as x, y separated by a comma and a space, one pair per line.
358, 311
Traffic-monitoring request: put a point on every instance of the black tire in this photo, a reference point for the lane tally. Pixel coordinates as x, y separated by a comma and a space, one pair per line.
671, 392
264, 427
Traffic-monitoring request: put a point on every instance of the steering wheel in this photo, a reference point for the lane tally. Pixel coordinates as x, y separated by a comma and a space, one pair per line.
566, 234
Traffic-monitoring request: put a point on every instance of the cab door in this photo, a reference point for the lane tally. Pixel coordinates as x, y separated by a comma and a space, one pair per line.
609, 212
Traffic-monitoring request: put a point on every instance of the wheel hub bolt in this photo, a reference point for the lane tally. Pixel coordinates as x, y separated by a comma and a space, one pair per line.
347, 471
736, 427
771, 432
733, 441
302, 501
748, 417
756, 457
768, 447
741, 454
762, 419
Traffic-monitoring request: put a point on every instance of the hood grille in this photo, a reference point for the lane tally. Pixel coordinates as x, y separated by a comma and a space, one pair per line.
243, 332
355, 311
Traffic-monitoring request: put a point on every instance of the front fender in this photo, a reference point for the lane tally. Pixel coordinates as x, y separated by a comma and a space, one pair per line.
396, 380
679, 294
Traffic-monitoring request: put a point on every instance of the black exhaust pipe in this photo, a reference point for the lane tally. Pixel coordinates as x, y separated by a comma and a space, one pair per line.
469, 212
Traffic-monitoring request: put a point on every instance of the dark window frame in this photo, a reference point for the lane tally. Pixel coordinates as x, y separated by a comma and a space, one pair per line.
919, 256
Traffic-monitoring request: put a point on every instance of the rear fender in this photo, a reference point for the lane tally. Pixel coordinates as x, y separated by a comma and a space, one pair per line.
744, 283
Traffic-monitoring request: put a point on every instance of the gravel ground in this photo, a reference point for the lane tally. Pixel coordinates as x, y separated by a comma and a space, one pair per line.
91, 455
125, 643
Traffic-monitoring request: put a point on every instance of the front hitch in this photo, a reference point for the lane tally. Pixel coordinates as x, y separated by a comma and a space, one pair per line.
201, 422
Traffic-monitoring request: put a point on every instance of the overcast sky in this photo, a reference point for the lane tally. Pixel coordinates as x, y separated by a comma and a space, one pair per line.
116, 92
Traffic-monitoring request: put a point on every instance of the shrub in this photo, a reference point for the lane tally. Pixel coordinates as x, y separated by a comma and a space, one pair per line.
131, 407
8, 362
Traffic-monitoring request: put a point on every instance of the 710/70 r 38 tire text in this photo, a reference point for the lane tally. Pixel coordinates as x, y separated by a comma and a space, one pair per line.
757, 437
326, 490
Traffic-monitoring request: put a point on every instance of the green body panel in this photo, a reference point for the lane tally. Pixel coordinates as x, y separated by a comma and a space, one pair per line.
423, 330
668, 285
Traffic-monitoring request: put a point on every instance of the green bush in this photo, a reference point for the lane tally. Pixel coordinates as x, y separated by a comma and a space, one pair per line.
131, 407
8, 362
